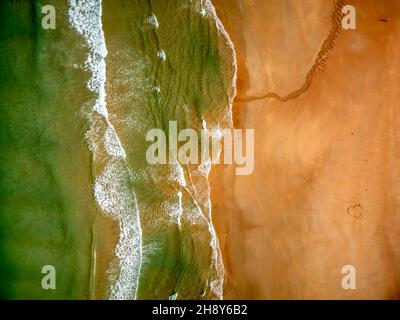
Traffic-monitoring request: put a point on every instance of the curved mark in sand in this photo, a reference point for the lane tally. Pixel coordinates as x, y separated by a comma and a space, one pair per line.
319, 64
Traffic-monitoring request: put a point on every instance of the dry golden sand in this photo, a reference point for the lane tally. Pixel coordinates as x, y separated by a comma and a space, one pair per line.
325, 189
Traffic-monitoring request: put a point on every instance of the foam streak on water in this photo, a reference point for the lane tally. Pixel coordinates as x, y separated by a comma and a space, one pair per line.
111, 188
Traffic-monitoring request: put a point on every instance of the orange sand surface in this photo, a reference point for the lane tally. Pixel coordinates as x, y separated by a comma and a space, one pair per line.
325, 191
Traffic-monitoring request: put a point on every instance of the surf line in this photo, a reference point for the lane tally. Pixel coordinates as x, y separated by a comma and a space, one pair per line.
217, 283
111, 188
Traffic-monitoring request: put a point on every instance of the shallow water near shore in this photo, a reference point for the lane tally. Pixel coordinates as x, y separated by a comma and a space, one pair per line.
77, 191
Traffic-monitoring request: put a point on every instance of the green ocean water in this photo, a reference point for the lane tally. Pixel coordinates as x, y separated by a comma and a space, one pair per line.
46, 207
167, 61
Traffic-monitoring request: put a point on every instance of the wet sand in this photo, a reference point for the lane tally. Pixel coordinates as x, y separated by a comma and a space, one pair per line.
325, 189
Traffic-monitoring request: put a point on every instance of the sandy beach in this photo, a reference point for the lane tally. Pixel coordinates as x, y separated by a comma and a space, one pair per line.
325, 189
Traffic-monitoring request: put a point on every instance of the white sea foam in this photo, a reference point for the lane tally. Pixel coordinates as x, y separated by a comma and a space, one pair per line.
156, 89
85, 17
180, 210
174, 208
153, 21
173, 296
176, 174
161, 54
114, 196
111, 188
112, 143
205, 167
149, 250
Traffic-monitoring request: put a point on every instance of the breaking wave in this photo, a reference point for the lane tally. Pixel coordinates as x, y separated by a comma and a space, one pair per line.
111, 188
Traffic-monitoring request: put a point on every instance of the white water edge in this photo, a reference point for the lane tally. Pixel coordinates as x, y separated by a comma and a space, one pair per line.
217, 284
111, 187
